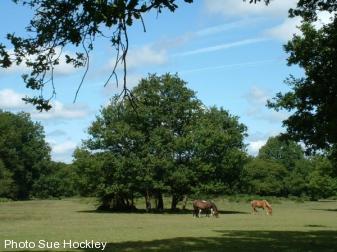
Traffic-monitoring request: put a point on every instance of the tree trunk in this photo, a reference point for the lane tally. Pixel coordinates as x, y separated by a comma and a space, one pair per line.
119, 203
160, 202
147, 201
106, 202
174, 202
185, 202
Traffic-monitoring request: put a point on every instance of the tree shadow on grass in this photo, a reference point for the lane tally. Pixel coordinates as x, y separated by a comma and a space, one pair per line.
138, 211
237, 241
166, 211
328, 209
314, 225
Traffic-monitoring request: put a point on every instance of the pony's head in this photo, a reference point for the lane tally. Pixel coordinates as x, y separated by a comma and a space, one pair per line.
214, 210
269, 209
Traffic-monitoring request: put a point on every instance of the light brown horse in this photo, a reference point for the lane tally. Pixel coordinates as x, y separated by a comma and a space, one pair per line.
261, 204
206, 206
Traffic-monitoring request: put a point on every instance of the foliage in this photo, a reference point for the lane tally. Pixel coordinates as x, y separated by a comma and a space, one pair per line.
6, 182
308, 9
59, 181
264, 177
281, 169
283, 151
88, 169
168, 144
312, 99
218, 150
23, 151
296, 181
321, 182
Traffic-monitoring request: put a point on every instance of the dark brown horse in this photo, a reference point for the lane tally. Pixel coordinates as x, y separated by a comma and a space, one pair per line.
207, 206
261, 204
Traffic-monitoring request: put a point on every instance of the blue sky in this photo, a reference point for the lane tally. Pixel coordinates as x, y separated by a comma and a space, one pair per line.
229, 52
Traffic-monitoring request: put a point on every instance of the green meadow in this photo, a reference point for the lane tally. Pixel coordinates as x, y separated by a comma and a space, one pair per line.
308, 226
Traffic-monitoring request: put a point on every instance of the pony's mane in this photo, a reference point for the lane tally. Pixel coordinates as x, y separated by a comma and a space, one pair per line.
267, 204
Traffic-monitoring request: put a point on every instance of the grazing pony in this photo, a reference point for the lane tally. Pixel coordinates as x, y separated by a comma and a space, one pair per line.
261, 204
206, 206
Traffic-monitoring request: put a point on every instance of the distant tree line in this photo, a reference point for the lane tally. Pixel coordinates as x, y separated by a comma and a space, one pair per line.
282, 169
26, 169
163, 142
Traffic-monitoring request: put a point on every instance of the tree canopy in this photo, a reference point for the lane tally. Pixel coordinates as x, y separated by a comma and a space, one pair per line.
313, 97
285, 152
24, 154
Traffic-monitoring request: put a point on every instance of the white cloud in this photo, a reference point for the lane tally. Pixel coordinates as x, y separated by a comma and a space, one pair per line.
276, 9
285, 30
10, 99
222, 46
61, 111
236, 8
221, 28
62, 151
170, 42
62, 148
131, 79
272, 116
257, 99
57, 133
257, 96
254, 146
289, 26
324, 17
143, 56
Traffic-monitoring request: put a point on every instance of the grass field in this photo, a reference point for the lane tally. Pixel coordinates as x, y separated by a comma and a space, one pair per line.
309, 226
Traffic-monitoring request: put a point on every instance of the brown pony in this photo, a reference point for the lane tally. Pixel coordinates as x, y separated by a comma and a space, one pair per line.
206, 206
261, 204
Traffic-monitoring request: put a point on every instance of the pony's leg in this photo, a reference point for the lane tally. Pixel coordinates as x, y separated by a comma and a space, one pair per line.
199, 213
267, 210
212, 212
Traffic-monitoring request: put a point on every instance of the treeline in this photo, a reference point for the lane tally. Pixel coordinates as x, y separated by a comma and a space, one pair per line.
282, 169
26, 169
162, 142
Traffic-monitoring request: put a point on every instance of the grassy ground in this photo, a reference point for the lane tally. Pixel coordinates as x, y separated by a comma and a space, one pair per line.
309, 226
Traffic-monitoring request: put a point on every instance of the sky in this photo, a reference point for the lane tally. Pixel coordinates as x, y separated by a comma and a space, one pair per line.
230, 52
